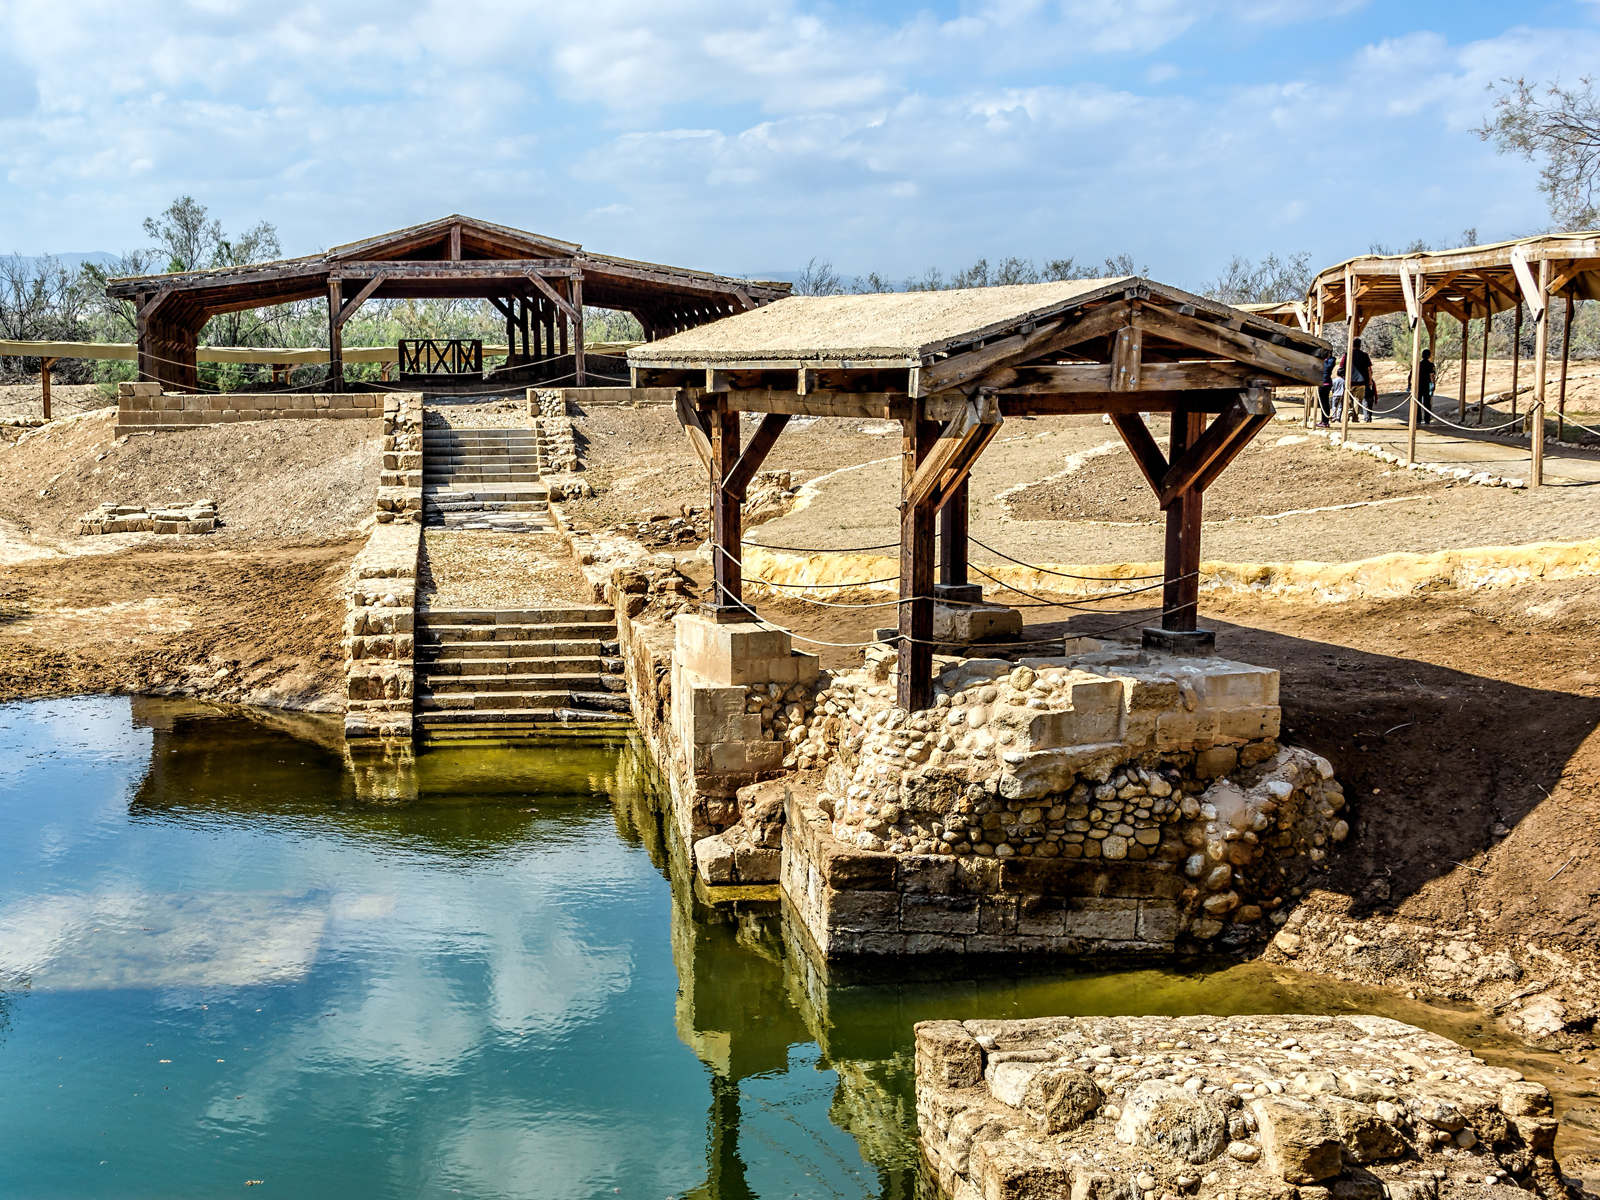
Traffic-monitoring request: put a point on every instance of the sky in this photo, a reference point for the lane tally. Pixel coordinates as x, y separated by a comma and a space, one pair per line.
749, 138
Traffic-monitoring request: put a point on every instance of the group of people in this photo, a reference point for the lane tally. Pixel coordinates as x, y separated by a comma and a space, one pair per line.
1351, 375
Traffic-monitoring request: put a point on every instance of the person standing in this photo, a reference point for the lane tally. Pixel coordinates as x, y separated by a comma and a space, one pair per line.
1356, 370
1425, 374
1325, 390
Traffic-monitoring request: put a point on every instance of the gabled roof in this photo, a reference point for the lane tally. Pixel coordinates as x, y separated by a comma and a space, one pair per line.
479, 240
910, 327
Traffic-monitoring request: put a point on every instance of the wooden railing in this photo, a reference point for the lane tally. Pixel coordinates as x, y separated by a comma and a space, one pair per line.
441, 356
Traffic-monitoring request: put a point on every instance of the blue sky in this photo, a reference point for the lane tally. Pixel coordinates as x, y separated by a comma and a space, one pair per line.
748, 137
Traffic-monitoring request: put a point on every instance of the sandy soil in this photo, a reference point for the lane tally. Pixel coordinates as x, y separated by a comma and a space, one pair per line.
497, 570
289, 482
253, 627
27, 399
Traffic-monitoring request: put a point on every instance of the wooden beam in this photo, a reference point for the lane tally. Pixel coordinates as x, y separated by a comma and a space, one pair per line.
695, 428
953, 532
958, 446
727, 537
1180, 592
1229, 343
1127, 349
553, 296
576, 285
1252, 425
755, 453
1221, 438
1150, 377
1540, 303
1142, 445
335, 337
455, 243
915, 687
349, 310
46, 363
969, 366
507, 269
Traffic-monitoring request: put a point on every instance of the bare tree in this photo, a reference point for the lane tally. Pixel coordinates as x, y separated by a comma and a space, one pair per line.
1559, 125
819, 279
1273, 280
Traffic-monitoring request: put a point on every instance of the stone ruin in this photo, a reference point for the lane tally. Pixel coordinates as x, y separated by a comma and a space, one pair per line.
1235, 1108
196, 516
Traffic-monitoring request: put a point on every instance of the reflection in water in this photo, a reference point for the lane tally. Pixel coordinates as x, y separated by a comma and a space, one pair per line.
230, 950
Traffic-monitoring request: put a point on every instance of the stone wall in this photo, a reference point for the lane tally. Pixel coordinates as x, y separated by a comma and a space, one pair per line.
143, 408
380, 644
1235, 1108
200, 516
1110, 801
400, 481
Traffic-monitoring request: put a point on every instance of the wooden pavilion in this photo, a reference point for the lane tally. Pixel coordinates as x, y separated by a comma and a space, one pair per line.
540, 285
950, 367
1474, 282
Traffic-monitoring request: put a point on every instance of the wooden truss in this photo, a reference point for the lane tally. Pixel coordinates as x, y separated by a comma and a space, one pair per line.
1129, 349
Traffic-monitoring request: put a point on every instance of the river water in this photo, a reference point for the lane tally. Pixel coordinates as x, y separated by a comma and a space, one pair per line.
230, 956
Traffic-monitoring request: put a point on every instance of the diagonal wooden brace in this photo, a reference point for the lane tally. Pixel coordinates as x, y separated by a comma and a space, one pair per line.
754, 453
1143, 448
1211, 452
556, 298
361, 297
695, 428
959, 445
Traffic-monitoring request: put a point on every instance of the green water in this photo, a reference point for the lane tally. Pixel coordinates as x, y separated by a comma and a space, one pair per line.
228, 953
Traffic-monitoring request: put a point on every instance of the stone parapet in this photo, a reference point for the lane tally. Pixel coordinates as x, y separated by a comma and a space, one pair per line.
143, 408
1235, 1108
400, 476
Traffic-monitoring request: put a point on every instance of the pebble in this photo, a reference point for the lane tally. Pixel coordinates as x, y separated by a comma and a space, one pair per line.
1244, 1151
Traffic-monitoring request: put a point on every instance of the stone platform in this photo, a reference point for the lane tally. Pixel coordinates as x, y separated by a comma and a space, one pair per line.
1236, 1108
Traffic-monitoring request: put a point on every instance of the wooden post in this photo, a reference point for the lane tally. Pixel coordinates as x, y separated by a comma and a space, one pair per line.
1466, 342
522, 324
511, 328
1516, 356
44, 381
1561, 391
1352, 331
335, 336
1180, 593
1416, 380
1483, 367
577, 332
727, 527
953, 519
1541, 353
915, 690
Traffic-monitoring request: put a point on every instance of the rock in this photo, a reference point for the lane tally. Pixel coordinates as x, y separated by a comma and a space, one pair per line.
1525, 1099
1439, 1113
1298, 1141
1244, 1151
1543, 1016
713, 858
1288, 943
1060, 1099
1158, 1116
1008, 1081
1367, 1137
948, 1055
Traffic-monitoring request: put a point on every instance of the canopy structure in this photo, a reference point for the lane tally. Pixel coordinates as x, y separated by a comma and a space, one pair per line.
950, 367
540, 284
1474, 282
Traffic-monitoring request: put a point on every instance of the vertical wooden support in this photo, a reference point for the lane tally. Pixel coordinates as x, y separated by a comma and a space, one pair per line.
455, 243
1541, 364
915, 689
522, 324
1561, 391
577, 330
44, 382
511, 328
1416, 382
335, 336
1483, 366
1352, 332
727, 528
1180, 592
1516, 356
953, 538
549, 311
562, 321
1466, 345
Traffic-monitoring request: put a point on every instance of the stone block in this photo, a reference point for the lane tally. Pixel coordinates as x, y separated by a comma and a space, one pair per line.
1227, 685
1101, 920
1298, 1141
920, 913
947, 1055
1183, 1124
1158, 922
1250, 724
963, 624
714, 859
755, 864
935, 873
1180, 730
862, 911
851, 869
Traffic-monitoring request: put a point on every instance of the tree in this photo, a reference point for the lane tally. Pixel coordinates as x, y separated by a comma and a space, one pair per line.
1271, 281
1559, 125
819, 279
192, 243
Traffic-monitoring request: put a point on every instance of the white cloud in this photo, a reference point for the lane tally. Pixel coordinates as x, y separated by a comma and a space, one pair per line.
736, 136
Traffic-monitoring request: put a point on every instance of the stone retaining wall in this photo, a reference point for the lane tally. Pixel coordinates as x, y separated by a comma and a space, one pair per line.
143, 408
400, 480
1224, 1108
380, 644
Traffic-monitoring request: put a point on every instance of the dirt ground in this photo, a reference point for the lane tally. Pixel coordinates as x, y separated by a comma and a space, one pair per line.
291, 482
27, 399
489, 570
253, 627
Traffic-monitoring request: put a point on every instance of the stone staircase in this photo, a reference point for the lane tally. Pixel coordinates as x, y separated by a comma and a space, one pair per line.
483, 671
484, 479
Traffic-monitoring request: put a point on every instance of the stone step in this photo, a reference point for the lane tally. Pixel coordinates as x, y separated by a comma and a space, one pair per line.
512, 433
493, 685
591, 616
477, 460
476, 523
463, 505
487, 722
488, 651
522, 664
511, 702
449, 477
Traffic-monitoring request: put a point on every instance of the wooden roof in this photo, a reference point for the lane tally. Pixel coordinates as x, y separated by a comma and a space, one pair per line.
1495, 275
458, 257
1100, 345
